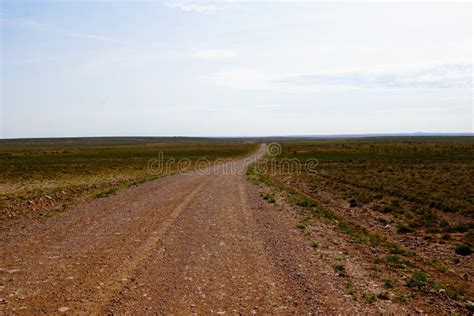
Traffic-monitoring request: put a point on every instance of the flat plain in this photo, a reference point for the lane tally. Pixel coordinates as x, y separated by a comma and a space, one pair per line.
402, 206
39, 177
333, 226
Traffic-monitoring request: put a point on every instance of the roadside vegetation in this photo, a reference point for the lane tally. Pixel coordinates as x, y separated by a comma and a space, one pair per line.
405, 205
39, 177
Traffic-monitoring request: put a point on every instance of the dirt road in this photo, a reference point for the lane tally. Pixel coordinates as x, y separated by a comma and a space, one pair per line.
189, 243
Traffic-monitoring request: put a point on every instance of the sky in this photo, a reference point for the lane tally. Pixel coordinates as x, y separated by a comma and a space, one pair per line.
234, 68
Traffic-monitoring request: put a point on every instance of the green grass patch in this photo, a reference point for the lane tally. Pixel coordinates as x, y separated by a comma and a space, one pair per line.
414, 182
270, 198
340, 269
395, 260
306, 202
301, 226
71, 169
105, 193
370, 298
418, 279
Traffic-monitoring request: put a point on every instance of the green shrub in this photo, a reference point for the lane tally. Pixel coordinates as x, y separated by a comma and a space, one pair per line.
402, 229
268, 197
305, 202
388, 284
395, 260
349, 288
463, 250
383, 296
396, 250
418, 279
340, 269
470, 307
301, 226
453, 295
396, 203
370, 297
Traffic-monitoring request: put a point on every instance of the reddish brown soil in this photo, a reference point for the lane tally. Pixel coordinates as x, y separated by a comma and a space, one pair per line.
189, 243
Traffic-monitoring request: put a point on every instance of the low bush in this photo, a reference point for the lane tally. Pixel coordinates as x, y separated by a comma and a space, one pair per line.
403, 229
268, 197
418, 279
463, 250
305, 202
370, 297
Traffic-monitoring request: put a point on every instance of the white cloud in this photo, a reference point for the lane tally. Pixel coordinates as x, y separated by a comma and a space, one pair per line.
211, 54
195, 7
435, 76
444, 76
246, 79
45, 27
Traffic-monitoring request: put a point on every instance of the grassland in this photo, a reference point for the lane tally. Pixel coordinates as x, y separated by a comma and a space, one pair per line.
421, 182
39, 177
407, 200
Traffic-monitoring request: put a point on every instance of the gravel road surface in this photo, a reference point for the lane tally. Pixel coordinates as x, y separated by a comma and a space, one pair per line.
202, 242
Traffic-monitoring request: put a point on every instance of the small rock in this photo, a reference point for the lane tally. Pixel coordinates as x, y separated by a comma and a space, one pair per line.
63, 309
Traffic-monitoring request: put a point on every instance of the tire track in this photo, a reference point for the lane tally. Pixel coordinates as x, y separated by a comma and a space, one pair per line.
271, 276
60, 230
84, 260
128, 266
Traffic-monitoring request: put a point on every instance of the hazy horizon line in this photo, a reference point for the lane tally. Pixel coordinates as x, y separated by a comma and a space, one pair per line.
354, 135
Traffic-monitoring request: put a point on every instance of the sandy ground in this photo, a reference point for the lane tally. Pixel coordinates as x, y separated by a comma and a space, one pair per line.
189, 243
